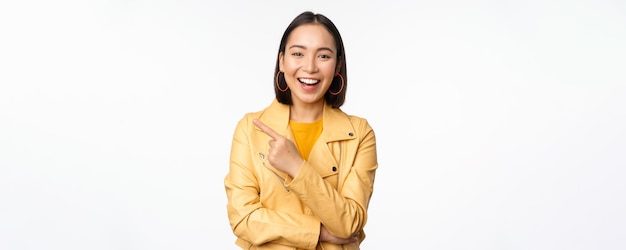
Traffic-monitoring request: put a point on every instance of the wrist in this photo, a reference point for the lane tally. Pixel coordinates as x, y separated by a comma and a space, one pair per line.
293, 171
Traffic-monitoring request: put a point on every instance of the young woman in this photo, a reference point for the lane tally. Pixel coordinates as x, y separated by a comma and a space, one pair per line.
301, 170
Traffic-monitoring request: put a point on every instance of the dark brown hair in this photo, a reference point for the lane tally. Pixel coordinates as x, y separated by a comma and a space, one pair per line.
308, 17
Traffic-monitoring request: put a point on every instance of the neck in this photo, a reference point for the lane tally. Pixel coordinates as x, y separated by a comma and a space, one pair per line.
306, 112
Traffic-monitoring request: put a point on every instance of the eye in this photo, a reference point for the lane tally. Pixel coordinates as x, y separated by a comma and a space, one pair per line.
296, 54
324, 56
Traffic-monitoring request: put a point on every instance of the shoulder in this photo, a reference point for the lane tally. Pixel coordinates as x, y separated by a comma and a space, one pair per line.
273, 115
245, 121
249, 116
360, 123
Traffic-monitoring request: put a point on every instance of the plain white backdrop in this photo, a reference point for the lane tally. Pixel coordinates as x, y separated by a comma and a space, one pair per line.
500, 124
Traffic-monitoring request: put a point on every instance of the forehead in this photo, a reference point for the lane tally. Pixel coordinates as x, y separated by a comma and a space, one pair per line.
311, 35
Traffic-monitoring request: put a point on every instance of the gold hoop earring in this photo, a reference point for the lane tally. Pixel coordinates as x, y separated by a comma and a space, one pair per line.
342, 85
278, 85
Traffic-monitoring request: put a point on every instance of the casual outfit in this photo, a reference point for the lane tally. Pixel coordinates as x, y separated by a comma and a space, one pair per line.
268, 209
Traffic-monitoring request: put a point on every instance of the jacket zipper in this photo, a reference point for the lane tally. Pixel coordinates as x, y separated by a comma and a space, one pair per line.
282, 181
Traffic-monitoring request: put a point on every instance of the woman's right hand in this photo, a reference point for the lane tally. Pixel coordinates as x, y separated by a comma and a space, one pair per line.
326, 236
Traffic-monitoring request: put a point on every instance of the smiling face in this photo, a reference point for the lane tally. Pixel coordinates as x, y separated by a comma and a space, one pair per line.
309, 63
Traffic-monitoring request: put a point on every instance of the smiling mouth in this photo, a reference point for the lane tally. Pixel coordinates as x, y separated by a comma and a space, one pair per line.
308, 81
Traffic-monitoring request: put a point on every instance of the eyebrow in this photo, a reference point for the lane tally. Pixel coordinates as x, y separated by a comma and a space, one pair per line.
303, 47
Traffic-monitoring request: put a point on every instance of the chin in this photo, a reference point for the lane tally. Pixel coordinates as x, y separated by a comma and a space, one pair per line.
312, 100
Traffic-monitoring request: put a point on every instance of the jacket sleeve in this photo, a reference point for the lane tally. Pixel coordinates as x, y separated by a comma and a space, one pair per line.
343, 212
249, 220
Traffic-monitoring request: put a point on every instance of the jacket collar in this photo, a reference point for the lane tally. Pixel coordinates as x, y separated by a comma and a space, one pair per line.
336, 123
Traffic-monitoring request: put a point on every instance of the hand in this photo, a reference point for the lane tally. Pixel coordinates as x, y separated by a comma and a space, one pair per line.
283, 154
326, 236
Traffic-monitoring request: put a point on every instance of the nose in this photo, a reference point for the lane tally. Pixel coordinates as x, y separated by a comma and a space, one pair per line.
310, 65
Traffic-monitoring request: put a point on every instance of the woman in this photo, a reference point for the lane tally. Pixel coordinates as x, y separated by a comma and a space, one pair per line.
302, 171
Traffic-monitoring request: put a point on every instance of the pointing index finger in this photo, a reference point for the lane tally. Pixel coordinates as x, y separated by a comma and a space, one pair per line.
266, 129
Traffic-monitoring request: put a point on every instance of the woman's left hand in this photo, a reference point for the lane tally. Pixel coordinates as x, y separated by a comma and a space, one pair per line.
283, 154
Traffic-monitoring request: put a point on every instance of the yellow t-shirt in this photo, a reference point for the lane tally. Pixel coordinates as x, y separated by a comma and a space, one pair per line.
306, 135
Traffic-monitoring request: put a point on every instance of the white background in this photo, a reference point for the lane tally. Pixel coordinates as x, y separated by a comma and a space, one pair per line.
500, 124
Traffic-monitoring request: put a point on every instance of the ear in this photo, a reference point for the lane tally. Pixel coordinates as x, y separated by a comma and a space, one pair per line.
281, 61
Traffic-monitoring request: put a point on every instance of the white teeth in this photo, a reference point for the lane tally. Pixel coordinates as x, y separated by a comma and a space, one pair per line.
308, 81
